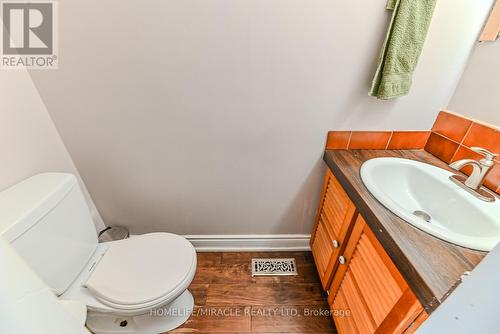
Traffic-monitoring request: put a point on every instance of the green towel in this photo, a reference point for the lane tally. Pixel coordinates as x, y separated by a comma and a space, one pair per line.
391, 4
402, 47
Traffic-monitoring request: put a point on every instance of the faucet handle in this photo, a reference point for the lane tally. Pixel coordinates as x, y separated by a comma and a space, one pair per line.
487, 154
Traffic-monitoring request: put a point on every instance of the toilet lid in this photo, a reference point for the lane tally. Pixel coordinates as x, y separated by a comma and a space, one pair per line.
142, 269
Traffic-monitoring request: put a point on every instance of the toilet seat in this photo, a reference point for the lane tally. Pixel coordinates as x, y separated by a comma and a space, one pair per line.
143, 271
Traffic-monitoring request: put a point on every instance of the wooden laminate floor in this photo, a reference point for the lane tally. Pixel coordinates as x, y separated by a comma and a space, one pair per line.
229, 300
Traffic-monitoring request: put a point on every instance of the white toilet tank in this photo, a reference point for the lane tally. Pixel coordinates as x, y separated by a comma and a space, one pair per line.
47, 221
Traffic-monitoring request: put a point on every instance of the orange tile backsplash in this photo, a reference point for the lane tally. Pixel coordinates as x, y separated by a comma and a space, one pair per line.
408, 140
376, 140
441, 147
369, 140
466, 133
484, 136
451, 126
450, 139
493, 178
338, 140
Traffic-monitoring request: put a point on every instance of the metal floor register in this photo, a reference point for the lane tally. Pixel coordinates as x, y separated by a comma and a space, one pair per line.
270, 267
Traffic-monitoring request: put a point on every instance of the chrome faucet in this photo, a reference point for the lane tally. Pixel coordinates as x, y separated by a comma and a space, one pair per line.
480, 169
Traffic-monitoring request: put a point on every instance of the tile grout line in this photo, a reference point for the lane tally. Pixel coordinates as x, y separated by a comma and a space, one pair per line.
455, 153
429, 132
461, 142
466, 133
443, 136
389, 140
349, 140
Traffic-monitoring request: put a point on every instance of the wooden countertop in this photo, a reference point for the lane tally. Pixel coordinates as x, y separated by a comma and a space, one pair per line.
432, 267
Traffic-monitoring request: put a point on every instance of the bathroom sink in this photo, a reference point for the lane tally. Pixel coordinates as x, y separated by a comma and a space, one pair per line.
423, 196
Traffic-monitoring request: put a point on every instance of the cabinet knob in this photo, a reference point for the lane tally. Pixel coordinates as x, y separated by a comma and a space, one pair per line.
341, 259
335, 244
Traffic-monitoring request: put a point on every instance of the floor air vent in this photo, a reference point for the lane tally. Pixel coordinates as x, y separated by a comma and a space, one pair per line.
270, 267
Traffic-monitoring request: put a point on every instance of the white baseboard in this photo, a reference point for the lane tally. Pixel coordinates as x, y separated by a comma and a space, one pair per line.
250, 242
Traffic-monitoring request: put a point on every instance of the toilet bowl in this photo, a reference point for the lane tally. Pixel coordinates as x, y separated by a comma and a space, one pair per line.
136, 285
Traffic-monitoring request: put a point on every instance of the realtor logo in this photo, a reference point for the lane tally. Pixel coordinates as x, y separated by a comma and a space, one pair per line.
28, 35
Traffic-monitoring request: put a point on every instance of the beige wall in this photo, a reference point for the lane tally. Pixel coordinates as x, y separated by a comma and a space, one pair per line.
209, 116
478, 94
29, 141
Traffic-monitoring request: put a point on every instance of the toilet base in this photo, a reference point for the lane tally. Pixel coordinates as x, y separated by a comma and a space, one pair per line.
159, 320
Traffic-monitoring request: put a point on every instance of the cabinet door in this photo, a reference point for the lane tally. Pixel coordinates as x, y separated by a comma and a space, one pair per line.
369, 289
334, 219
416, 323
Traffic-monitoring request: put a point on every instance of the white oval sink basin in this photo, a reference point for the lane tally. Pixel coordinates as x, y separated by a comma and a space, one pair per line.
423, 195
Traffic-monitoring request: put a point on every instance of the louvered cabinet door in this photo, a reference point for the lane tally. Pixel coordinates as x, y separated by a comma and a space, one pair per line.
369, 289
334, 220
416, 323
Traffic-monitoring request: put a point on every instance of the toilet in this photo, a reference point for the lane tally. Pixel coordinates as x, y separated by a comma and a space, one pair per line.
136, 285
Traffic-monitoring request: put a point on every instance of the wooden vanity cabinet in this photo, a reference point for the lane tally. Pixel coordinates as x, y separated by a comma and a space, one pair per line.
335, 217
370, 286
366, 291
